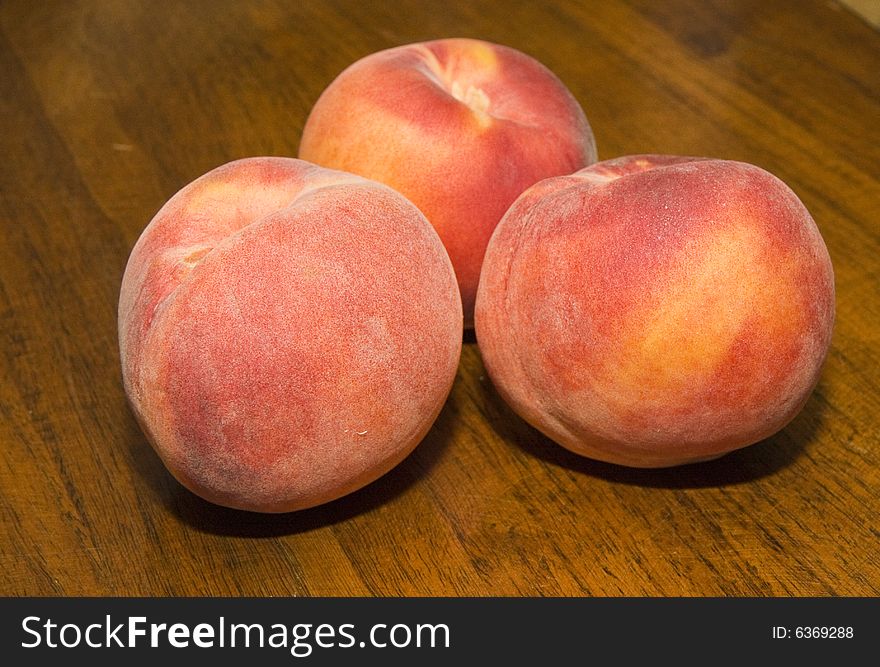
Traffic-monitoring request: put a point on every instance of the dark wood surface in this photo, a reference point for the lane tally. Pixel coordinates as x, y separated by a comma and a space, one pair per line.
108, 108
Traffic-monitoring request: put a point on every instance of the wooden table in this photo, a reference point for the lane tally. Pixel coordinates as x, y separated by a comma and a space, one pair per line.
108, 108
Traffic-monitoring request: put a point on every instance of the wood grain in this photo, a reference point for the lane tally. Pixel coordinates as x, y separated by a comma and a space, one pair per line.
108, 108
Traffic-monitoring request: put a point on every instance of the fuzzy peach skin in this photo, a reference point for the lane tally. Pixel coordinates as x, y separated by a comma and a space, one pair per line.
654, 310
288, 333
459, 126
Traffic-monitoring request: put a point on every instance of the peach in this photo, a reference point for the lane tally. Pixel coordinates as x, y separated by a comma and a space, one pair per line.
287, 333
460, 127
654, 310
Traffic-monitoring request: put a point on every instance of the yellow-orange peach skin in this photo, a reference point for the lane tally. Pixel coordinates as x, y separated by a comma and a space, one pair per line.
654, 310
459, 126
288, 333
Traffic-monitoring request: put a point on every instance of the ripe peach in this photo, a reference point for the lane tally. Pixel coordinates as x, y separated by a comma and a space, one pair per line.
288, 333
459, 126
655, 310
